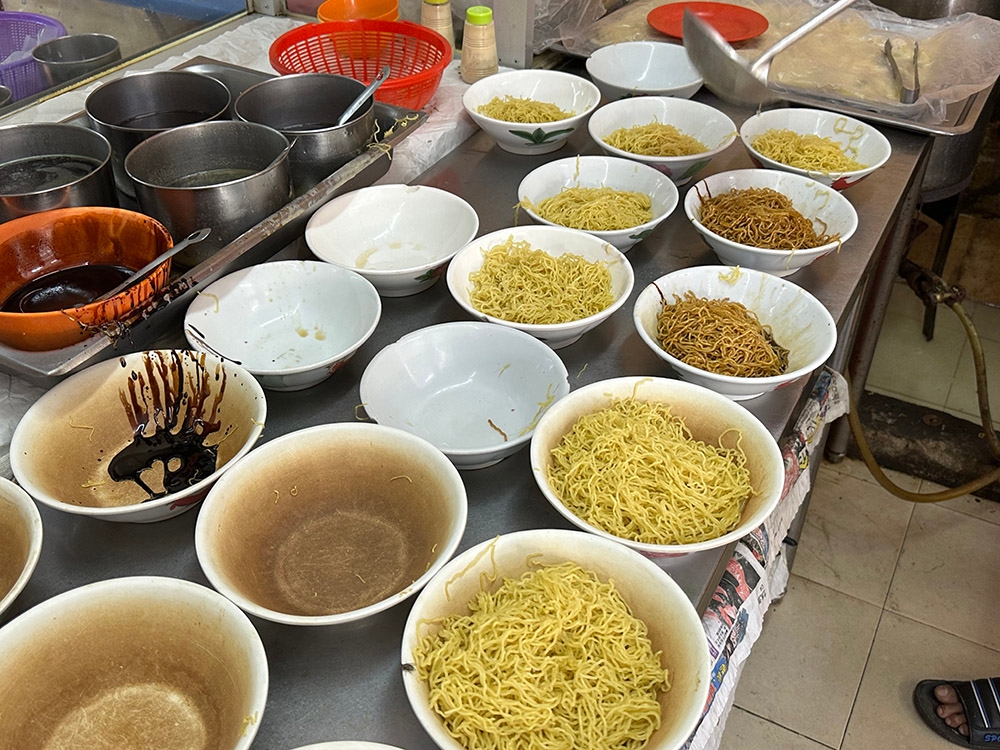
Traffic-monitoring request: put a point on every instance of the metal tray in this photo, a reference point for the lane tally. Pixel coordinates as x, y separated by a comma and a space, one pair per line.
275, 233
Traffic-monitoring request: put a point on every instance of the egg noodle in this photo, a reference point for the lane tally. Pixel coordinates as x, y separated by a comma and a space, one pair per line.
596, 209
760, 217
553, 659
808, 151
655, 139
523, 285
720, 336
520, 109
634, 470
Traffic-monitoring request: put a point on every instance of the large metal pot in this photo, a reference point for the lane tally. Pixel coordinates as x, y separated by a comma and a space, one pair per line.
44, 166
224, 174
305, 107
68, 57
129, 110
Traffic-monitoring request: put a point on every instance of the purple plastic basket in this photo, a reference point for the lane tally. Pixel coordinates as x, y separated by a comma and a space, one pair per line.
20, 33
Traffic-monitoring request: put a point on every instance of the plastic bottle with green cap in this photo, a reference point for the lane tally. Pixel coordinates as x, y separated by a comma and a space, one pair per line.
479, 44
436, 15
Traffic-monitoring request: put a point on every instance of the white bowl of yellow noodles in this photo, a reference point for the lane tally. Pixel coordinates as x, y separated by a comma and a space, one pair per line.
591, 451
642, 613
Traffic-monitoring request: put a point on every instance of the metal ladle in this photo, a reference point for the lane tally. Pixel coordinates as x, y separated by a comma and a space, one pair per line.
363, 96
726, 73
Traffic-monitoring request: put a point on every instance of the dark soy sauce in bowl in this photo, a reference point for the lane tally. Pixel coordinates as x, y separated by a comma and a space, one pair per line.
66, 288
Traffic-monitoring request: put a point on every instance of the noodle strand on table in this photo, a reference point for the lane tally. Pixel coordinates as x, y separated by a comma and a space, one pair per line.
553, 659
634, 470
760, 217
720, 336
524, 285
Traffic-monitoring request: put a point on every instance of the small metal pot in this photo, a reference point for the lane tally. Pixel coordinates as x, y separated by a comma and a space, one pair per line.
129, 110
53, 165
225, 175
305, 107
68, 57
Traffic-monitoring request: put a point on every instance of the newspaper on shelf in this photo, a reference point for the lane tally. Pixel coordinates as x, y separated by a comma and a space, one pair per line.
757, 573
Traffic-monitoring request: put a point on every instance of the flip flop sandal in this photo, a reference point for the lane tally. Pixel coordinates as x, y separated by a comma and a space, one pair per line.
981, 699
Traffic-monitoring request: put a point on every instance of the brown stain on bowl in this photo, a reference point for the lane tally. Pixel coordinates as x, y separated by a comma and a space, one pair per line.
123, 674
15, 533
34, 245
328, 529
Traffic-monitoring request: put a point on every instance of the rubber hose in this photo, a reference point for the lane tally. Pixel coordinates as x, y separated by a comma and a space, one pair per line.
984, 410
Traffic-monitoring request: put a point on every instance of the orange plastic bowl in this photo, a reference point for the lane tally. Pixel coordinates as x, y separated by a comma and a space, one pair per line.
33, 245
343, 10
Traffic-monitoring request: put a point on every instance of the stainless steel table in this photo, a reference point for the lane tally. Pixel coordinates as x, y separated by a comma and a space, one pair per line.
344, 683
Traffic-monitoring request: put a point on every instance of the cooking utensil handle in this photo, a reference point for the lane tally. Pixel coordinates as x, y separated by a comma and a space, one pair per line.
811, 25
137, 276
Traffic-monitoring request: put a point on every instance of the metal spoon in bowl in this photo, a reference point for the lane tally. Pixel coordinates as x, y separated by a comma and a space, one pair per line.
38, 295
363, 96
726, 73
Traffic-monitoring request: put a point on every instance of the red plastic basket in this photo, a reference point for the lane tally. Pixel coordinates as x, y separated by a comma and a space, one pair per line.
416, 56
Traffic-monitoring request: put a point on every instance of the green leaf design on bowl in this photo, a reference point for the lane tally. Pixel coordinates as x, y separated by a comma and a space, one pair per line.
640, 235
694, 169
540, 136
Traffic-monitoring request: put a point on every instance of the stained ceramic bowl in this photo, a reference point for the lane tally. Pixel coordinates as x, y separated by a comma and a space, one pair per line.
137, 438
291, 323
21, 530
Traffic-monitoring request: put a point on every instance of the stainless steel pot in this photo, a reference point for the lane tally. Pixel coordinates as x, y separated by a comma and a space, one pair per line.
225, 175
68, 57
53, 165
129, 110
305, 107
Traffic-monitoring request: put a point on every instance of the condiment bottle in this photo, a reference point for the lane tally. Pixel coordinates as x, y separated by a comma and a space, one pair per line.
436, 15
479, 44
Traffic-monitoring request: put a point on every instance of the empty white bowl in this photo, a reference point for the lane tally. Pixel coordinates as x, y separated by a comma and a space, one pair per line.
331, 524
21, 531
399, 237
859, 140
644, 68
813, 200
556, 241
147, 417
550, 179
475, 390
132, 662
713, 128
706, 414
569, 92
798, 321
652, 596
290, 323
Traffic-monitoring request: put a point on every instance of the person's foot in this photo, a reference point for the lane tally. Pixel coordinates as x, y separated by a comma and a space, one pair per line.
950, 709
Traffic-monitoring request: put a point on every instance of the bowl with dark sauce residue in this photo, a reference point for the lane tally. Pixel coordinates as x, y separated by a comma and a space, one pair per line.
138, 438
21, 531
53, 263
331, 524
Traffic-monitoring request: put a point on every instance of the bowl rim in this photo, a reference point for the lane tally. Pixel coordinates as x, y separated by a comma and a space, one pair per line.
674, 52
28, 512
203, 534
387, 274
529, 73
764, 115
543, 330
767, 177
122, 512
764, 278
668, 102
690, 391
526, 339
661, 180
236, 278
621, 554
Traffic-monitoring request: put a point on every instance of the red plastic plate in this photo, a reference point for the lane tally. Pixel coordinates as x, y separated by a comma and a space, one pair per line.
734, 22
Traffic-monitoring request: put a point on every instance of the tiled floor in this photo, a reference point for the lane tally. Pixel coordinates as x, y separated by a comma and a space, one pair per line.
883, 592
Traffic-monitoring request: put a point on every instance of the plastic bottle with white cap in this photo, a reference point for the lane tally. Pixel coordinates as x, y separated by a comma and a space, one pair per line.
479, 44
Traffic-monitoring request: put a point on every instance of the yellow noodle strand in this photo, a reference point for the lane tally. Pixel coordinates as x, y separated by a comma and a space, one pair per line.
523, 285
600, 209
655, 139
634, 470
521, 109
760, 217
553, 659
808, 151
